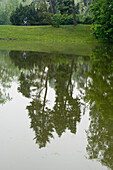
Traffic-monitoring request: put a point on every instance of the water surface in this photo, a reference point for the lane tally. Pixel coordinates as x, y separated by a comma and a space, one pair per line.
56, 110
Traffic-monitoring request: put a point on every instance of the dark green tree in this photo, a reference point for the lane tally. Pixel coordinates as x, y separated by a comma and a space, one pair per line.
65, 6
21, 12
3, 16
102, 12
6, 8
37, 14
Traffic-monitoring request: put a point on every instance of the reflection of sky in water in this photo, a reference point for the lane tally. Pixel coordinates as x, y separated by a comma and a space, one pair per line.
19, 151
17, 147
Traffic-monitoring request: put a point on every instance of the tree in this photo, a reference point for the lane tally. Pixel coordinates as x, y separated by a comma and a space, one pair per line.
102, 11
36, 12
67, 7
21, 12
7, 7
74, 13
3, 17
51, 5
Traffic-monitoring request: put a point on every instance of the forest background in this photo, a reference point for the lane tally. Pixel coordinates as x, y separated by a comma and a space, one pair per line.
39, 11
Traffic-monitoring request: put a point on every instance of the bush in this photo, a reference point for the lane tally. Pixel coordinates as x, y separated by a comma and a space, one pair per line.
46, 18
65, 19
84, 19
87, 19
56, 20
102, 12
35, 17
40, 17
20, 13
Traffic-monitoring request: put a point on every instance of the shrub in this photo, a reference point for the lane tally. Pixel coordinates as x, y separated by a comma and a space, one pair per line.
56, 20
20, 13
36, 17
84, 19
66, 19
87, 19
39, 17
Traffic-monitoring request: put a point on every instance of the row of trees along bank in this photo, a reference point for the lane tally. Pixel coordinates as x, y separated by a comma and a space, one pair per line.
42, 11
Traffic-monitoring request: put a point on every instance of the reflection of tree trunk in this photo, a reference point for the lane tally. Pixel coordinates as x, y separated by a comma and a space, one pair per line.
45, 90
71, 72
41, 85
51, 5
87, 76
74, 14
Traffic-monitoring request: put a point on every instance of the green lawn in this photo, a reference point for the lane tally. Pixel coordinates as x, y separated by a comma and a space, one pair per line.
79, 33
71, 39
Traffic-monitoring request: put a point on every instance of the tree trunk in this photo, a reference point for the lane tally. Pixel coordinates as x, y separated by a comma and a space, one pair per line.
51, 5
74, 13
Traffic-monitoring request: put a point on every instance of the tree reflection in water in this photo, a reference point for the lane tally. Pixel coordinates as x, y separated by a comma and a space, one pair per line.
41, 70
100, 95
8, 72
56, 71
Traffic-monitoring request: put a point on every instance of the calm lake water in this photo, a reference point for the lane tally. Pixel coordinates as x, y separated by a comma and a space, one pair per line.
56, 110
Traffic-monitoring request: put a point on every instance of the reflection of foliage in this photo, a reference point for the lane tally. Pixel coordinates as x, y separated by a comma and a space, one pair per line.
100, 139
82, 67
41, 122
66, 110
99, 92
44, 69
65, 113
7, 73
100, 85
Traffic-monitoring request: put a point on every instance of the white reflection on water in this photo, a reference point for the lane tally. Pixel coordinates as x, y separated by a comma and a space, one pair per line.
18, 150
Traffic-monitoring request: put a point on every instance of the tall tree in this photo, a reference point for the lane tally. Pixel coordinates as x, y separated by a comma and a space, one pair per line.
67, 7
102, 12
51, 5
74, 13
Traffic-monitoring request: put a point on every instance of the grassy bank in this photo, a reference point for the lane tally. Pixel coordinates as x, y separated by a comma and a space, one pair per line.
71, 39
79, 33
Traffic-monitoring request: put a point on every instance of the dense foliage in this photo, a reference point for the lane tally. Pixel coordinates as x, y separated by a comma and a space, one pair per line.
6, 8
34, 16
99, 94
42, 16
40, 11
66, 19
37, 71
102, 11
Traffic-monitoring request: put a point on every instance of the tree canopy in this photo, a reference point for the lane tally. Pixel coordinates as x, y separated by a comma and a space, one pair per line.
102, 11
64, 11
6, 8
